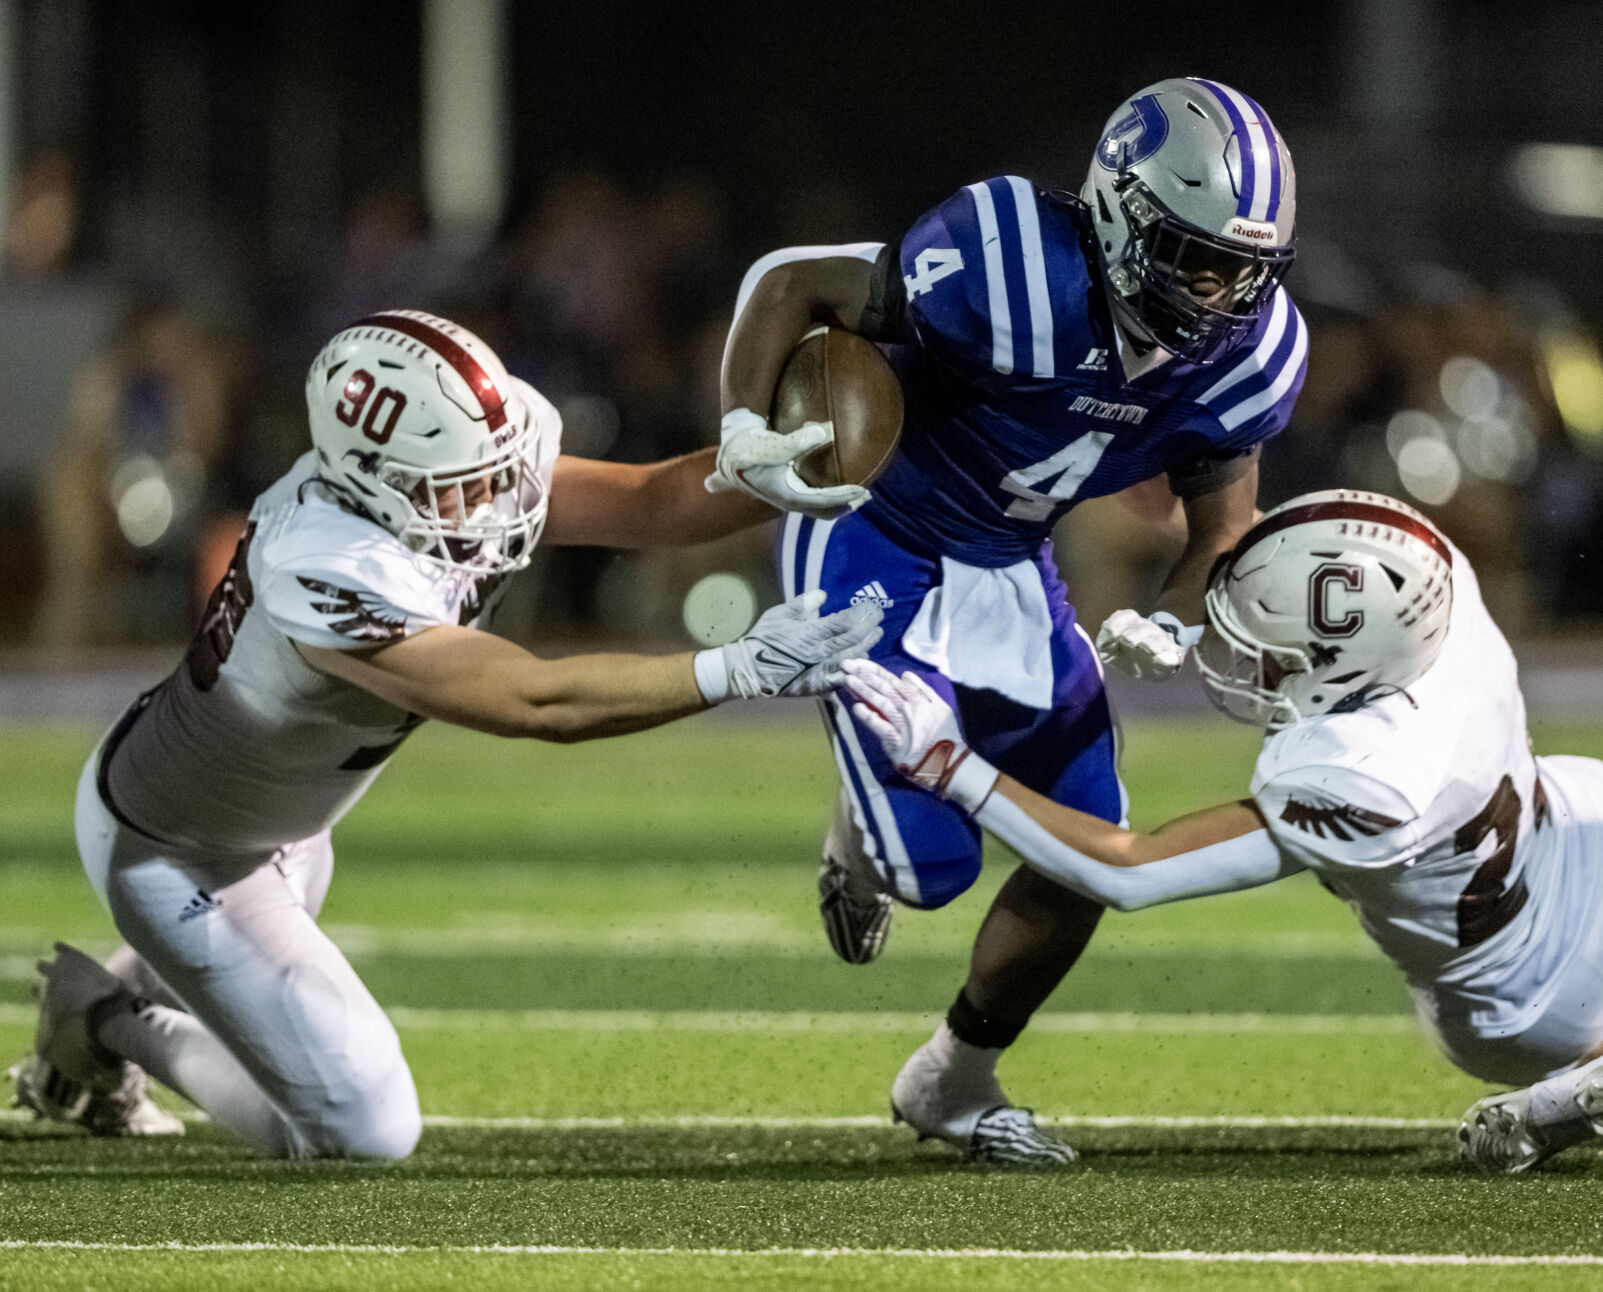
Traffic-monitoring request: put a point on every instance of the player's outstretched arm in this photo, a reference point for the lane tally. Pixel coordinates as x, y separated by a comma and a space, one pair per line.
785, 295
661, 504
477, 680
1153, 647
1217, 850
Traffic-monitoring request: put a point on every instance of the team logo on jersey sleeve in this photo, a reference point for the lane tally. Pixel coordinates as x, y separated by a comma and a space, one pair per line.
1135, 136
1342, 821
358, 615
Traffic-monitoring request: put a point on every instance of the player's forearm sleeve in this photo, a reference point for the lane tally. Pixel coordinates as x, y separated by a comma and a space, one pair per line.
1243, 862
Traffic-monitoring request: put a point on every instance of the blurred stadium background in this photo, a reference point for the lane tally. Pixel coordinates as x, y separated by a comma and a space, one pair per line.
195, 195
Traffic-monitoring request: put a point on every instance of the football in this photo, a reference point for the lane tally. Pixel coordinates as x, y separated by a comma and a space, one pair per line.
836, 376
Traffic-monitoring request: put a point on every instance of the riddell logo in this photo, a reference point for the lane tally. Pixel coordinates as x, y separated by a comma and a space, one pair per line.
1257, 232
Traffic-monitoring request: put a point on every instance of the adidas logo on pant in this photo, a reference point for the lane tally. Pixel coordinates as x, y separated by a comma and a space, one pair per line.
873, 594
202, 903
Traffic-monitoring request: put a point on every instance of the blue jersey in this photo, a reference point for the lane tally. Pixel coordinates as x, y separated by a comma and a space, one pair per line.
1016, 402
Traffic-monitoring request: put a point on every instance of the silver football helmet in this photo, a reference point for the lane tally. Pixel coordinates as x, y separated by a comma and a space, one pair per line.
1327, 598
418, 425
1193, 201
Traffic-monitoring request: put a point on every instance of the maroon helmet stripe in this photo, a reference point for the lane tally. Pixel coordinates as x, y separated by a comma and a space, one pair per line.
455, 354
1363, 513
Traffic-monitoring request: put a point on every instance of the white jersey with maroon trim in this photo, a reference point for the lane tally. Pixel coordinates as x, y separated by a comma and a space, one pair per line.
1424, 810
246, 747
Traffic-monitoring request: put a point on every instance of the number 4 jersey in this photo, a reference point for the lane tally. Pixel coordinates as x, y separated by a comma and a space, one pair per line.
246, 747
1017, 402
1470, 862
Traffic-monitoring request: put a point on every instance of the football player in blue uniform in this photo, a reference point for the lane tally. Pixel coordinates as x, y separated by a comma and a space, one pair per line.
1050, 349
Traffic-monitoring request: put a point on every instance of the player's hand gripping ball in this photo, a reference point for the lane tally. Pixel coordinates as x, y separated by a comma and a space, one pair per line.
836, 420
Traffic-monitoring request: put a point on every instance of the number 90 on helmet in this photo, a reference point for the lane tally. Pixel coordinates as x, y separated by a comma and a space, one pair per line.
1193, 202
1328, 600
419, 427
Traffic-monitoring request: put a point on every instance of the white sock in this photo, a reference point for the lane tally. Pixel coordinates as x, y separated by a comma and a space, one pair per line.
1553, 1101
966, 1065
179, 1052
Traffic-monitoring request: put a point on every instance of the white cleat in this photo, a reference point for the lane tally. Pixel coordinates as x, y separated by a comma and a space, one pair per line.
947, 1090
76, 987
123, 1109
71, 1077
1497, 1134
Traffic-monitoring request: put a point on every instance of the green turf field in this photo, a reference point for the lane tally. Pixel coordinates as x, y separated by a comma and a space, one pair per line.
643, 1068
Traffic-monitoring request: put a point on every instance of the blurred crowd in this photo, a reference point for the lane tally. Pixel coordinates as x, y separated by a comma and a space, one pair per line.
145, 421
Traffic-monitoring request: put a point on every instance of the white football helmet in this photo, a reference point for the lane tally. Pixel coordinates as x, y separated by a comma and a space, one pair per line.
1327, 598
417, 425
1191, 186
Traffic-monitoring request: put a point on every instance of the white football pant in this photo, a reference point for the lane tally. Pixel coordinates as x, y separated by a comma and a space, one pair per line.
281, 1043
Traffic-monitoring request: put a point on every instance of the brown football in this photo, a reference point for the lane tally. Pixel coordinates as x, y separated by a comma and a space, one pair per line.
836, 376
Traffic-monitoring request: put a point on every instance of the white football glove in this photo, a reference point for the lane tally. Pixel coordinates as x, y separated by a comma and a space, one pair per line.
919, 732
755, 460
1151, 649
789, 651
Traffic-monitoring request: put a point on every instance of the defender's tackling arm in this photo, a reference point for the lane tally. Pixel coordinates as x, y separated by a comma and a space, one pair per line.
1218, 850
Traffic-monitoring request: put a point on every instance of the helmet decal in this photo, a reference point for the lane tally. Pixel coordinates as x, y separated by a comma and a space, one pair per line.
1135, 136
1258, 153
1349, 509
467, 367
1320, 617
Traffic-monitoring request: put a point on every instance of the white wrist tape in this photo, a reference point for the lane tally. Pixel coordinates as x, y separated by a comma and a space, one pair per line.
972, 782
712, 675
1185, 634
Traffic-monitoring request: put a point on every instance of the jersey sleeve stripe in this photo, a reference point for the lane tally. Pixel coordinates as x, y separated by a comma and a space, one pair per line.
1255, 363
1268, 398
1034, 255
995, 279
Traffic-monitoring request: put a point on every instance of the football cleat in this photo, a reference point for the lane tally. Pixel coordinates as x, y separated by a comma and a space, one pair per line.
856, 910
128, 1109
1497, 1134
121, 1110
949, 1091
1011, 1136
43, 1090
76, 988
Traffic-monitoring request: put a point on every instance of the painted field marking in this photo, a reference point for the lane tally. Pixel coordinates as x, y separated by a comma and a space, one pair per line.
758, 1021
830, 1253
699, 933
715, 1121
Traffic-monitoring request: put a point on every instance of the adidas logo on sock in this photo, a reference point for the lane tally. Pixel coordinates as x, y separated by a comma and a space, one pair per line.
202, 903
873, 594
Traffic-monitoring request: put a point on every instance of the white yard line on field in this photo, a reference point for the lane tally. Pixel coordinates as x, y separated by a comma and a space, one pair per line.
693, 933
697, 1121
829, 1253
856, 1022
